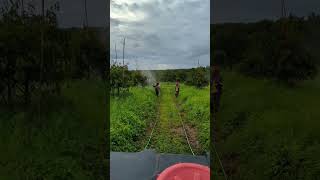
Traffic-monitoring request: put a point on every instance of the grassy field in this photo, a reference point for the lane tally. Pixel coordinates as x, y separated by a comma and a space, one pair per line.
169, 135
195, 106
68, 142
134, 115
269, 131
130, 116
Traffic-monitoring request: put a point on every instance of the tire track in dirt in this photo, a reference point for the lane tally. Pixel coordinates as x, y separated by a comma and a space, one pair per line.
191, 130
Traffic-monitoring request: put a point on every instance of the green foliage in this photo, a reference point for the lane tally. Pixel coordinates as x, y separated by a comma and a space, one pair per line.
121, 78
195, 104
271, 49
130, 115
201, 78
37, 56
198, 77
184, 75
285, 60
267, 130
59, 132
294, 63
168, 136
138, 79
230, 39
68, 142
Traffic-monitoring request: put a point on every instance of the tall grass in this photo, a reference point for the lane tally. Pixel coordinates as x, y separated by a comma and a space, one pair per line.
269, 131
67, 142
195, 103
130, 115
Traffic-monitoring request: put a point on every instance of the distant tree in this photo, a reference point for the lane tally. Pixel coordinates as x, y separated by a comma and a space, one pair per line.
269, 49
28, 63
181, 75
169, 76
138, 78
198, 77
116, 80
120, 83
232, 40
294, 63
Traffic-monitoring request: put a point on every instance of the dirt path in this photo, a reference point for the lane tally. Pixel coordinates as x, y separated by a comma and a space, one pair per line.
191, 131
169, 135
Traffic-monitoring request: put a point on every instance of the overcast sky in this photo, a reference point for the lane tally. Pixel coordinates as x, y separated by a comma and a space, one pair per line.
72, 11
169, 33
161, 34
254, 10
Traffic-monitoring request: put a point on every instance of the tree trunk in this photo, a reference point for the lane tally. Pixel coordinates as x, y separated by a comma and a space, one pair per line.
86, 13
22, 7
4, 98
9, 93
26, 90
58, 88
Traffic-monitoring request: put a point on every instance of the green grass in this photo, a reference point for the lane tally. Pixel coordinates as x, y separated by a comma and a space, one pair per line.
133, 115
168, 136
68, 142
195, 103
269, 131
130, 116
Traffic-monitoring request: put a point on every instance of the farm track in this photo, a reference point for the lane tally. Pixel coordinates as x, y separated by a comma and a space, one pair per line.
169, 134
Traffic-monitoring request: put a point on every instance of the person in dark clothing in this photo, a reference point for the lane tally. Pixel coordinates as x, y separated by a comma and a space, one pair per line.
157, 88
177, 88
216, 88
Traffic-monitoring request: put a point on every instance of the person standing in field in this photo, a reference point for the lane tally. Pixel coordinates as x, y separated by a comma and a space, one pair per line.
177, 87
216, 88
157, 88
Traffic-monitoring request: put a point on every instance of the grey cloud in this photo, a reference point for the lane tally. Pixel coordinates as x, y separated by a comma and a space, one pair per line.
134, 7
200, 51
114, 22
173, 33
153, 40
115, 5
